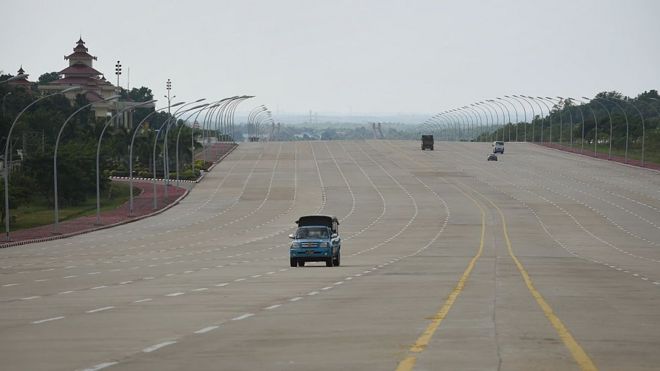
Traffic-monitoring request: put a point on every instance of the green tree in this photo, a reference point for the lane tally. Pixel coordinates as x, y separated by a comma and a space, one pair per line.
48, 77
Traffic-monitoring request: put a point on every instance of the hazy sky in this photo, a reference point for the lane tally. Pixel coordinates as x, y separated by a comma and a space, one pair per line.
377, 56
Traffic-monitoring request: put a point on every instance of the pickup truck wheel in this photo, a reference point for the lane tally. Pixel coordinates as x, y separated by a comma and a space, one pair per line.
293, 262
301, 263
328, 263
338, 260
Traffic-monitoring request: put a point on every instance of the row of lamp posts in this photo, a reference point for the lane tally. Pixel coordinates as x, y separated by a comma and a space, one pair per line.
223, 123
477, 119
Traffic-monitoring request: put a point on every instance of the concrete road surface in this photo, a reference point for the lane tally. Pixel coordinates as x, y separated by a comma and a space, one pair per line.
541, 261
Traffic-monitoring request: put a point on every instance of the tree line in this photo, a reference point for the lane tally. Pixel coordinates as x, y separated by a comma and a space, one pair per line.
33, 140
627, 121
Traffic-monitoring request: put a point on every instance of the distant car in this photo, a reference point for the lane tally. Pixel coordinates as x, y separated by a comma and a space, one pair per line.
427, 142
498, 146
492, 157
316, 239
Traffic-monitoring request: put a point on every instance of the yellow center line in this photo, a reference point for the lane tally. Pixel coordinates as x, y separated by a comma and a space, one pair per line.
580, 356
422, 342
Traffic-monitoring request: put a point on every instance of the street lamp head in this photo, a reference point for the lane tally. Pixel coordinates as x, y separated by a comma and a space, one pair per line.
198, 106
146, 102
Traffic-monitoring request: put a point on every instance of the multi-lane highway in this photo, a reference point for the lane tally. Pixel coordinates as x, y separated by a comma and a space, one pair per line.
540, 261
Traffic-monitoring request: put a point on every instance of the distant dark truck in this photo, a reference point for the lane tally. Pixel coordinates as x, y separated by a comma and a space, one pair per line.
427, 142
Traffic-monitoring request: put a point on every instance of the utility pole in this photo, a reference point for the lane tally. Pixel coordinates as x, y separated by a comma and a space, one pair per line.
168, 86
118, 73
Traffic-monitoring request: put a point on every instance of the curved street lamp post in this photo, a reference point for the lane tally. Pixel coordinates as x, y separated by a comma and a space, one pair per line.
130, 153
98, 155
165, 124
6, 165
178, 135
609, 114
56, 210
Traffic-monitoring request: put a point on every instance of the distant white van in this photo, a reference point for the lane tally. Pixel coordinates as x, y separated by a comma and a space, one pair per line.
498, 146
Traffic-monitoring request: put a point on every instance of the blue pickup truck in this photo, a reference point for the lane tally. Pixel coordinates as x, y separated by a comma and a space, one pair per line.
316, 239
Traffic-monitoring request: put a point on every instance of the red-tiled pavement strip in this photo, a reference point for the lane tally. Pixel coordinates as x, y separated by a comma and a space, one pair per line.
602, 156
142, 208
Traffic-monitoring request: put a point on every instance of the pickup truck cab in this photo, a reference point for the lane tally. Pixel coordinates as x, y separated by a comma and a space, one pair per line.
316, 239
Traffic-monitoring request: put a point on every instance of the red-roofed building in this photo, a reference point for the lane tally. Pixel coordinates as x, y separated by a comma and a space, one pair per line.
94, 86
23, 81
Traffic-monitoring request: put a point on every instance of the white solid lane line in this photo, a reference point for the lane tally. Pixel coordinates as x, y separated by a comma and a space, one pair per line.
206, 329
99, 309
47, 320
157, 346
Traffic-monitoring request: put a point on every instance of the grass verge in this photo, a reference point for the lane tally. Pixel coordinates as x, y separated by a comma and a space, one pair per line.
39, 212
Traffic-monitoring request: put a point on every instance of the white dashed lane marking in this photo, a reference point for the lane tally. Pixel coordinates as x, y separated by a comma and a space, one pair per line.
158, 346
47, 320
242, 317
99, 309
206, 329
100, 366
